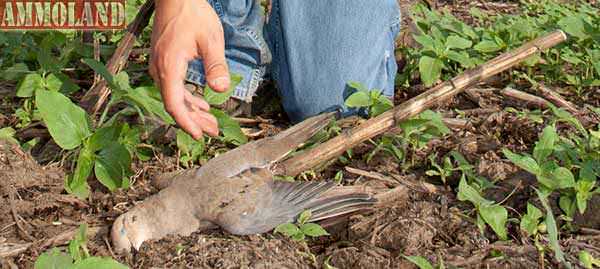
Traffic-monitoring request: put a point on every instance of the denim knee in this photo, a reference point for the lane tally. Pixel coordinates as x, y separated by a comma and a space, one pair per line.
246, 50
320, 46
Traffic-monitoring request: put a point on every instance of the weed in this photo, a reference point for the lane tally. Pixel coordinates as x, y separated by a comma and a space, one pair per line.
77, 257
423, 263
448, 45
375, 102
301, 228
568, 165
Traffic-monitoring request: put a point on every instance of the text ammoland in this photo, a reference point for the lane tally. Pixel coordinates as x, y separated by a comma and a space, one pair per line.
62, 14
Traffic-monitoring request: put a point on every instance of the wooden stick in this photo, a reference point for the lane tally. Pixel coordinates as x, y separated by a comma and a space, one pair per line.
558, 100
99, 92
531, 100
375, 126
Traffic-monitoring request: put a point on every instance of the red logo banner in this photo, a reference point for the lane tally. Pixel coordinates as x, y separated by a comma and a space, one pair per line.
62, 14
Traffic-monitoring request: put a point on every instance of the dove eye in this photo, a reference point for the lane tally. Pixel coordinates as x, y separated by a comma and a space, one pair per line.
133, 219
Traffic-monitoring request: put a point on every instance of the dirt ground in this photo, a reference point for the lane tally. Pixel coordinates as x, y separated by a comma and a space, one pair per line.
425, 219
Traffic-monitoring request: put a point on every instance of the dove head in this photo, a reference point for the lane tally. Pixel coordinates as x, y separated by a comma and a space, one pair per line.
130, 230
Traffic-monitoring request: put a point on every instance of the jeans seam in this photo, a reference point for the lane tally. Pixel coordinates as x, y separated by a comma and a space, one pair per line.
241, 92
264, 49
218, 7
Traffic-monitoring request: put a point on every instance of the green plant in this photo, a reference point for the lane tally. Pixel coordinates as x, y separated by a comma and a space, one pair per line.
443, 171
449, 45
568, 165
375, 102
588, 260
423, 263
534, 116
416, 133
8, 133
489, 212
530, 222
301, 229
190, 149
77, 257
552, 229
107, 146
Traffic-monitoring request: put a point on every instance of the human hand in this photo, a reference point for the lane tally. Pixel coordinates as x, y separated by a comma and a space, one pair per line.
184, 30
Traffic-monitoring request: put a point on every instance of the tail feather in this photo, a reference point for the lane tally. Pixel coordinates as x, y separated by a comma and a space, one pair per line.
344, 211
310, 193
340, 205
323, 198
289, 199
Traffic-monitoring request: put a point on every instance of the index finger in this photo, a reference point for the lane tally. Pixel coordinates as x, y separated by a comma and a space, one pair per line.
171, 73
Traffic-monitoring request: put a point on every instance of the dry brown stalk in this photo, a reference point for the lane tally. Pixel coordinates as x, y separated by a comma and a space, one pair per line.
558, 100
375, 126
94, 99
530, 99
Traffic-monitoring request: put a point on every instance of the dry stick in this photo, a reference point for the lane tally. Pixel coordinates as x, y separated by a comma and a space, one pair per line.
100, 92
530, 99
558, 100
416, 105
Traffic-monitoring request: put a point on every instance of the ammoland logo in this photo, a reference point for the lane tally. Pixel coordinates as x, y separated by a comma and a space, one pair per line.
62, 14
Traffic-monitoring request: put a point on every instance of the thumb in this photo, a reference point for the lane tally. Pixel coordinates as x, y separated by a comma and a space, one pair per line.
215, 66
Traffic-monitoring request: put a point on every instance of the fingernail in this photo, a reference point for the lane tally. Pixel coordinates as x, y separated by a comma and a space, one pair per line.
221, 83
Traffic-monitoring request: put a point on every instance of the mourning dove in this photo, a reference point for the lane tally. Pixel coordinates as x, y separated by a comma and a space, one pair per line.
237, 192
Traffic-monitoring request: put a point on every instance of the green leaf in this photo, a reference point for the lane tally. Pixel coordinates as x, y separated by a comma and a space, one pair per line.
298, 237
430, 69
76, 184
77, 245
426, 41
530, 221
188, 146
53, 259
435, 120
104, 136
142, 97
552, 230
524, 162
47, 61
487, 46
573, 25
231, 129
457, 42
113, 166
8, 133
495, 216
586, 173
287, 229
383, 104
99, 263
358, 99
545, 146
99, 68
567, 205
29, 85
304, 217
460, 57
61, 82
218, 98
357, 86
419, 261
313, 230
588, 260
563, 177
15, 72
67, 123
468, 193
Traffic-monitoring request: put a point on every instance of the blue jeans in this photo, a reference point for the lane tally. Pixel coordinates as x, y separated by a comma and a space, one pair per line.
312, 48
